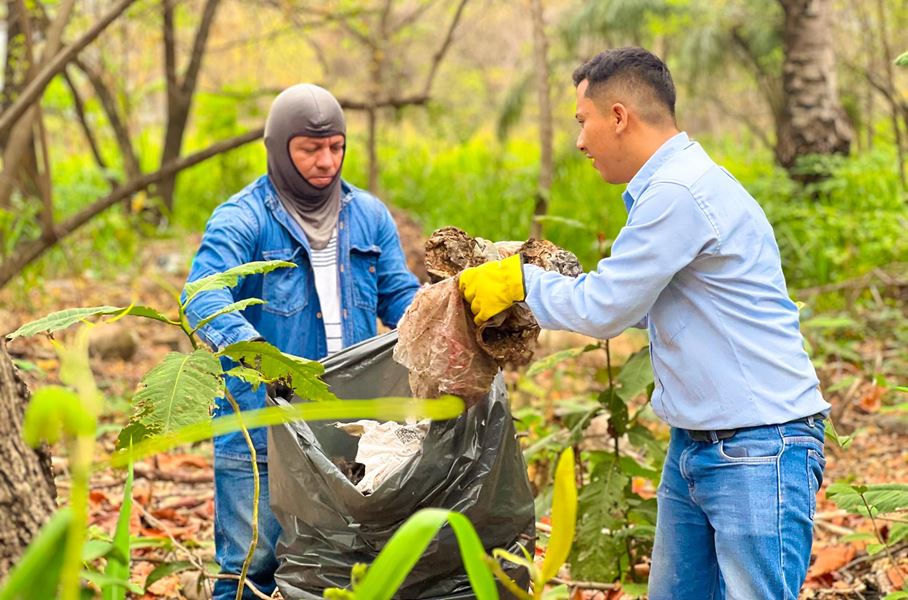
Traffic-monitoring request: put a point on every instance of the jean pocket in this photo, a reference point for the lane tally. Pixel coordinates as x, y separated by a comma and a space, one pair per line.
284, 290
816, 464
753, 446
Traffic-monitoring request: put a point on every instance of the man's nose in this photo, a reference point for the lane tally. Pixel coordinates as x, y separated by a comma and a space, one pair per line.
581, 143
323, 159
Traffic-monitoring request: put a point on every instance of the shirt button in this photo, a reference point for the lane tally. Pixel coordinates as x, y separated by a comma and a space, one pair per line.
345, 313
340, 225
341, 268
318, 315
372, 269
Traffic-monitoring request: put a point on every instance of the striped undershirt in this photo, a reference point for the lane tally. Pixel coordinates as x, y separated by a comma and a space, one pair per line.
324, 263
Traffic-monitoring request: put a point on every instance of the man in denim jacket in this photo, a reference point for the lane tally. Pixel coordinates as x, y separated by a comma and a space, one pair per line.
350, 271
698, 265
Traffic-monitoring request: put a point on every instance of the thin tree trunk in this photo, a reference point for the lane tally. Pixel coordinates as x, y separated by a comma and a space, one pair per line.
180, 91
546, 162
27, 488
888, 59
813, 121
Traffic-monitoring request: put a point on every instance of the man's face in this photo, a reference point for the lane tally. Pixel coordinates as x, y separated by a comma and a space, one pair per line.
317, 159
600, 137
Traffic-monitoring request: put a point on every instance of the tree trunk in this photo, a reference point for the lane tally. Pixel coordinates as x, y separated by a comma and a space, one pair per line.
27, 488
546, 161
813, 121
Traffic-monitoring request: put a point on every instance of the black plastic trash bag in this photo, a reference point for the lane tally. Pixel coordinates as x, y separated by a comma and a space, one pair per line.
471, 464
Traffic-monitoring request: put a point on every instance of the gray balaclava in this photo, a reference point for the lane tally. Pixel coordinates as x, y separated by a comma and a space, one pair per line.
309, 110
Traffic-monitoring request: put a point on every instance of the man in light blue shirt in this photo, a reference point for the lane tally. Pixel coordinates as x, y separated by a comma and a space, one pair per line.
698, 264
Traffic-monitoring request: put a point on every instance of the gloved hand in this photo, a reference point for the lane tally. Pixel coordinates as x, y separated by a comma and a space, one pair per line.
493, 286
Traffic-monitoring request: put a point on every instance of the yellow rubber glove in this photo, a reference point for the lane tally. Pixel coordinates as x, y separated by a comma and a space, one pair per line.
493, 286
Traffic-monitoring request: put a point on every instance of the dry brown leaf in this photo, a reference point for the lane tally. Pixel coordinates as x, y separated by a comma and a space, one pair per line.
831, 559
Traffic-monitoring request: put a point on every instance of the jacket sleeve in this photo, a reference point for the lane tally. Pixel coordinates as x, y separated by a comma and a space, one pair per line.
229, 240
666, 230
397, 286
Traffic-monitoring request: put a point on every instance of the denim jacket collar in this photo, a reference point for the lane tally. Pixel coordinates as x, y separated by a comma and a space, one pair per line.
273, 203
641, 180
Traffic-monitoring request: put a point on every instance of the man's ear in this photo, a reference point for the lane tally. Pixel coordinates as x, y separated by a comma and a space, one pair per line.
619, 117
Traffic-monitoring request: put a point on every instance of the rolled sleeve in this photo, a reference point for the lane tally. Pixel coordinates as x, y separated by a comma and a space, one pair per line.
666, 230
229, 240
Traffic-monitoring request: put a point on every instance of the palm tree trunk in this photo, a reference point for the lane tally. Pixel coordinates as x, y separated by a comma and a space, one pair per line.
813, 121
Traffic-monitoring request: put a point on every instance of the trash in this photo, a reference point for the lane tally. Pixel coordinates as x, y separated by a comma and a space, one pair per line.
472, 464
441, 347
383, 448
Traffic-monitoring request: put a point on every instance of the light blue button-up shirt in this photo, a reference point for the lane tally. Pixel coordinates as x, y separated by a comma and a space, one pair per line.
698, 261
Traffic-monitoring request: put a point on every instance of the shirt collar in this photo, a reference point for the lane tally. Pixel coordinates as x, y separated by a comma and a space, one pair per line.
641, 180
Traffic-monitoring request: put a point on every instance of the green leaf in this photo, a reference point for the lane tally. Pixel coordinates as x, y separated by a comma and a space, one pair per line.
166, 569
70, 316
843, 441
882, 498
95, 549
408, 543
898, 532
233, 307
902, 60
617, 408
558, 357
601, 509
104, 581
231, 277
635, 376
55, 412
383, 409
177, 392
300, 374
61, 320
564, 516
875, 548
37, 573
118, 564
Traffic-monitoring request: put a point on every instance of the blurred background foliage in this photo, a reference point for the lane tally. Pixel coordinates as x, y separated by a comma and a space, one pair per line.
456, 139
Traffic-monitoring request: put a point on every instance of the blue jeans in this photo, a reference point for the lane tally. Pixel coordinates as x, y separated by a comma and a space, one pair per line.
735, 517
233, 527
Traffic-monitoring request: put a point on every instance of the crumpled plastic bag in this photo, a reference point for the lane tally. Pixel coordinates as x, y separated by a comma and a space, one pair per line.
438, 346
439, 343
384, 448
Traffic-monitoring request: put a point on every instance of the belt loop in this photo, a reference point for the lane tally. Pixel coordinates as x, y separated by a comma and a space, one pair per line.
713, 437
810, 421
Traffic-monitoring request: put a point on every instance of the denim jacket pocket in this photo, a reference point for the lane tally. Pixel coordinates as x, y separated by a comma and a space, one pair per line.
364, 268
284, 290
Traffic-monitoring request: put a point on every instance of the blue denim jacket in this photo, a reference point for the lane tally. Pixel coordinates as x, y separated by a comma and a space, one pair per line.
254, 225
698, 258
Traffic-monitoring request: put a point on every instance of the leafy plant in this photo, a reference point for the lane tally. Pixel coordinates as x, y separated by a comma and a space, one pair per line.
170, 408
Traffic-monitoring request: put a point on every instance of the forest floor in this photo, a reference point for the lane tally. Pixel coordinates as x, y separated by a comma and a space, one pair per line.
173, 492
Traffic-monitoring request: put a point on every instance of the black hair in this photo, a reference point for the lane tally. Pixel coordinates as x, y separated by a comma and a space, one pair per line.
633, 68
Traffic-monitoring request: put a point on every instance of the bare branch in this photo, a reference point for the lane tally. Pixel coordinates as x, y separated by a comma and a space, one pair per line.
79, 106
117, 123
170, 46
411, 18
443, 49
27, 252
198, 47
36, 86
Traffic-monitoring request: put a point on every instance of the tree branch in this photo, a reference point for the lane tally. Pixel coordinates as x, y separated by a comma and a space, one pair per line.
79, 106
198, 47
29, 251
443, 49
111, 110
35, 88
